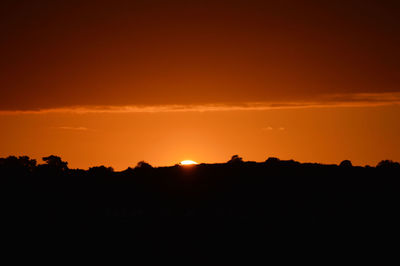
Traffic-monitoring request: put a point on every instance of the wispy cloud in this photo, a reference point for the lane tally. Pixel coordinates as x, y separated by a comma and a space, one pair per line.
267, 128
336, 100
74, 128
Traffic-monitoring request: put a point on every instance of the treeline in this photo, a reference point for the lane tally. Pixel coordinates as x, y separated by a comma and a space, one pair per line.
275, 192
55, 163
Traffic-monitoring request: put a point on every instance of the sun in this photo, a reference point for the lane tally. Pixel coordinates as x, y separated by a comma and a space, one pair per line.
188, 162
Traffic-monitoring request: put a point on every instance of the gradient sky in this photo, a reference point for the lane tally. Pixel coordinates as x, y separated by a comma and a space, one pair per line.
116, 82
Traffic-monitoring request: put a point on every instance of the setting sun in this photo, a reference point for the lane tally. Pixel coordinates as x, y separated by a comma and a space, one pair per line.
188, 162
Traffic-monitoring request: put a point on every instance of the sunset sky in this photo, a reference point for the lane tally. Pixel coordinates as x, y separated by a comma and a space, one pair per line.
116, 82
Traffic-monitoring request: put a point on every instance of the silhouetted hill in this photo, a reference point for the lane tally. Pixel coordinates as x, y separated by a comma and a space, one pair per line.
247, 197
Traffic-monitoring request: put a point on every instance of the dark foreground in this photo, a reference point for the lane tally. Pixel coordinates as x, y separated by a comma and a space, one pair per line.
227, 202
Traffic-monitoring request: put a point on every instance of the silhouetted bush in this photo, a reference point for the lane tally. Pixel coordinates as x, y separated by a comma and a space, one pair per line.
235, 160
22, 162
272, 161
346, 163
143, 165
55, 162
388, 164
100, 170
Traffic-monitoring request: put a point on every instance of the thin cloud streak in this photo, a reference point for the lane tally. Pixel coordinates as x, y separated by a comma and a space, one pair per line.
74, 128
338, 100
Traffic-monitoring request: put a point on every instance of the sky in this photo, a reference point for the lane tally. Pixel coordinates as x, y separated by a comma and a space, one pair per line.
116, 82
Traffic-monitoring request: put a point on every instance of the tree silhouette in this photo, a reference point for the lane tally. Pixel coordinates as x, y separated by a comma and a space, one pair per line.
25, 161
22, 162
235, 159
55, 162
101, 170
272, 161
388, 164
143, 165
346, 163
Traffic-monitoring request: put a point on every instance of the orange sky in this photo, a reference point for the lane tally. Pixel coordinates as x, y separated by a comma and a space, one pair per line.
115, 82
365, 135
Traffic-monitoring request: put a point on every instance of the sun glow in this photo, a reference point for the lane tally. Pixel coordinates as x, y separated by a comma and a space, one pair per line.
188, 162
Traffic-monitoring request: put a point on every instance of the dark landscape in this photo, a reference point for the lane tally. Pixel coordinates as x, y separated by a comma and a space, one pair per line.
274, 192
